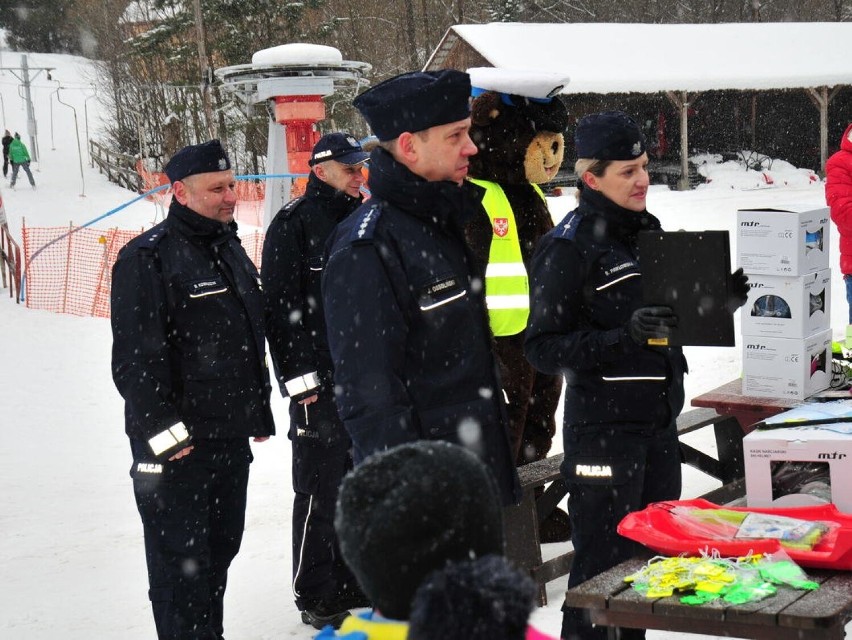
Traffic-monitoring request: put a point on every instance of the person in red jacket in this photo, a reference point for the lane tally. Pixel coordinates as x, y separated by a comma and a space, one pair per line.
838, 196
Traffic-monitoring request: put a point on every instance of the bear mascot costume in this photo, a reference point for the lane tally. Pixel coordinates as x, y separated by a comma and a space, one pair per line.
517, 126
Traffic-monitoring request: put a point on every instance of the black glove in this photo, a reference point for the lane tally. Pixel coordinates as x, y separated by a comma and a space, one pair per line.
651, 323
738, 288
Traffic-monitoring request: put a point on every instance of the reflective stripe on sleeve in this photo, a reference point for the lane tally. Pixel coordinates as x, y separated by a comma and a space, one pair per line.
169, 438
302, 384
633, 378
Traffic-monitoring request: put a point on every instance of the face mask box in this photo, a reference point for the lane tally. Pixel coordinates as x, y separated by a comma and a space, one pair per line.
787, 307
799, 466
784, 241
785, 367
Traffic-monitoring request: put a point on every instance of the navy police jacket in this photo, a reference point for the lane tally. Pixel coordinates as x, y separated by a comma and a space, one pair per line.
586, 281
188, 341
407, 324
291, 273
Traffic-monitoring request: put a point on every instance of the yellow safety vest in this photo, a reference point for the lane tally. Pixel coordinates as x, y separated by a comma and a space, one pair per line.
507, 288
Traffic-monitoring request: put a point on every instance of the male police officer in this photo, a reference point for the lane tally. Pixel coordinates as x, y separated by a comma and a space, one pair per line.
188, 358
295, 328
404, 301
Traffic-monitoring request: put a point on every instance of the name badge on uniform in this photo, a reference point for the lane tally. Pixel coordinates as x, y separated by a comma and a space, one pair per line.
206, 287
440, 292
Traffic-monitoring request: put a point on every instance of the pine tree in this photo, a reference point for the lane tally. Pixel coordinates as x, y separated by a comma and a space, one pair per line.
39, 25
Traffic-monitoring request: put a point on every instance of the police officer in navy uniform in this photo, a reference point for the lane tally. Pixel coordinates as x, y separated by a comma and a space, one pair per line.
404, 300
587, 322
189, 360
295, 328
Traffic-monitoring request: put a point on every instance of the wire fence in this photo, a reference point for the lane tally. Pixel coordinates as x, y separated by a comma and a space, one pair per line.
69, 269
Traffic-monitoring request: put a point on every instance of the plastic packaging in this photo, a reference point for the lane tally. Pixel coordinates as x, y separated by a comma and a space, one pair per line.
659, 529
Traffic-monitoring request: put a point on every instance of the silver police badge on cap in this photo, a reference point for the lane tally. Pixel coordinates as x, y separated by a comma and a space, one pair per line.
223, 164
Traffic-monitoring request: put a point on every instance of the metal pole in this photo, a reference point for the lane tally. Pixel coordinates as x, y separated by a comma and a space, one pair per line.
31, 121
203, 67
79, 153
52, 145
86, 115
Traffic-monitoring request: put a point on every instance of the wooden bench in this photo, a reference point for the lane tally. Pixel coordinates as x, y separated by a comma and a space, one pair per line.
788, 615
522, 522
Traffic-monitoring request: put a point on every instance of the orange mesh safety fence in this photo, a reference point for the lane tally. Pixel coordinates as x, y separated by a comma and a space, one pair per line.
151, 180
250, 196
74, 274
252, 242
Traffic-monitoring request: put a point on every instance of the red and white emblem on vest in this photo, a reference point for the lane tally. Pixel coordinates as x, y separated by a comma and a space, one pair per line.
501, 226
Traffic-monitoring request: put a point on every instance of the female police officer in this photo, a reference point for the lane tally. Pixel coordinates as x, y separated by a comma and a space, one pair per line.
586, 321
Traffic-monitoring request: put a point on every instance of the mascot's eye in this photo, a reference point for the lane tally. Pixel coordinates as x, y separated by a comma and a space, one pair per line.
555, 146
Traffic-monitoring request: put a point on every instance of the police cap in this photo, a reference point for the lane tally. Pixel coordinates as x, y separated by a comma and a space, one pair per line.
609, 135
197, 158
415, 101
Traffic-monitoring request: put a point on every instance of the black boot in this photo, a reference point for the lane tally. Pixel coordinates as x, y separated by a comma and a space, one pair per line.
323, 614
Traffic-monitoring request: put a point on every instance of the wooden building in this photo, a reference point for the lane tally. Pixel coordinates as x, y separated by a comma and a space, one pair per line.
784, 89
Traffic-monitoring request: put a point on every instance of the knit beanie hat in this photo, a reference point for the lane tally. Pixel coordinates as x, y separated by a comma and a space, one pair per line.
483, 599
405, 512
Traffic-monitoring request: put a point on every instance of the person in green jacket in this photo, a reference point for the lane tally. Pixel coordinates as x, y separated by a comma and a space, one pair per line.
20, 158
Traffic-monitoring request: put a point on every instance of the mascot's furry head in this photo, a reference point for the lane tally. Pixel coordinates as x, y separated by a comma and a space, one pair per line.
518, 126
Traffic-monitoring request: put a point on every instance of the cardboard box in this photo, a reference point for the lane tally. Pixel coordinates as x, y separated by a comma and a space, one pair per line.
787, 307
786, 367
799, 466
784, 241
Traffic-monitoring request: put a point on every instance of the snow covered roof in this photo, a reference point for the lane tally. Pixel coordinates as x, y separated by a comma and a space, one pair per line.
648, 58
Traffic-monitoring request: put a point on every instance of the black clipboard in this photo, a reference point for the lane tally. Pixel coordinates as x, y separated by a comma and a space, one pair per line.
689, 271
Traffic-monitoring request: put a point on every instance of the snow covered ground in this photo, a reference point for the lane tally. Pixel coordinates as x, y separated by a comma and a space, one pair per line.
72, 554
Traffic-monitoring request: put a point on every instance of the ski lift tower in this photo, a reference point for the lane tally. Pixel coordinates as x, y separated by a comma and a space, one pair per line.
291, 79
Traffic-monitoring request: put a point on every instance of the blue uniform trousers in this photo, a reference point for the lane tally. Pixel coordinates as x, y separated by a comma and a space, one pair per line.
610, 471
193, 514
321, 457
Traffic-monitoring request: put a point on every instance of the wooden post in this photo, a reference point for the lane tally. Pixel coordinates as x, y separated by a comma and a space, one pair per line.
821, 99
3, 256
754, 122
682, 104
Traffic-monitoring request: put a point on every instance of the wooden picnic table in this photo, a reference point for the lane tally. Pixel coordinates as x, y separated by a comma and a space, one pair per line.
522, 522
788, 615
728, 400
